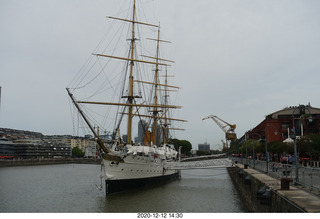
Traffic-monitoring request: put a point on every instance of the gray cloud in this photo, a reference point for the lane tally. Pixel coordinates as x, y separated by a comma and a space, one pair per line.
238, 59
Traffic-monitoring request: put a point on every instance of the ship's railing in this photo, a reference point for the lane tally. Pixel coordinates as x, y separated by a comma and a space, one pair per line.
201, 164
308, 177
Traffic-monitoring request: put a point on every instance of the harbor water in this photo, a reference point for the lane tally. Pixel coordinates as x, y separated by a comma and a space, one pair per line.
75, 188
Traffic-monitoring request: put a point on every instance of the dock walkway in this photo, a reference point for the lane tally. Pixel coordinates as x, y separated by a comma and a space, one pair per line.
305, 200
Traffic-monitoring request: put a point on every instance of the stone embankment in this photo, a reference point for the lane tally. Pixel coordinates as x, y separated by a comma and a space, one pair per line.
263, 193
30, 162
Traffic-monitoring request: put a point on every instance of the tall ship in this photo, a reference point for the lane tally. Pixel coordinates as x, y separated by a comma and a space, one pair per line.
143, 95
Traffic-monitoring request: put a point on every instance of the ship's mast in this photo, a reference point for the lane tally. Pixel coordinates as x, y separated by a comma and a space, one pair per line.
156, 84
130, 97
130, 103
165, 130
155, 111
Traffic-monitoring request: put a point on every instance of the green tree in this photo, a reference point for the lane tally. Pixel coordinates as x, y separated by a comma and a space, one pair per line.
77, 152
278, 147
186, 146
251, 145
175, 143
309, 145
232, 147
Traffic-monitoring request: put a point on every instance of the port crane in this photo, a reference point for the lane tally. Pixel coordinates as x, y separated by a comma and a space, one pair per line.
224, 144
226, 127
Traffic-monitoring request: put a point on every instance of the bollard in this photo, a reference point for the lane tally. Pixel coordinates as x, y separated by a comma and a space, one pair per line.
285, 183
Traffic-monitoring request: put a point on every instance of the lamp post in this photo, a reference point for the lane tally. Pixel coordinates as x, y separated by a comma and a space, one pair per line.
295, 140
253, 155
266, 146
246, 154
241, 155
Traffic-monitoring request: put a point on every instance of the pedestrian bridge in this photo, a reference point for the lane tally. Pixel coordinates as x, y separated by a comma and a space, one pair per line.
199, 164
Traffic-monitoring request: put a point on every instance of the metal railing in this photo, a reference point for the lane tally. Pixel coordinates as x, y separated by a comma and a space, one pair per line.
200, 164
308, 177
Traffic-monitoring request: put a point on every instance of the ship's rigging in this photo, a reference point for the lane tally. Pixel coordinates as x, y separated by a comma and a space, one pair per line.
129, 165
133, 104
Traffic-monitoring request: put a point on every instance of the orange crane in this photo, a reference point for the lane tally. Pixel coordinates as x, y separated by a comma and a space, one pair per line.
224, 144
226, 127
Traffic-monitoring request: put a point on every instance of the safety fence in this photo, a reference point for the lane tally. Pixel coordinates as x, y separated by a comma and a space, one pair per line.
306, 176
201, 164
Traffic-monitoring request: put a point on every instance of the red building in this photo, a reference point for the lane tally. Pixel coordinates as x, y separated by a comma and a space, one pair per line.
278, 125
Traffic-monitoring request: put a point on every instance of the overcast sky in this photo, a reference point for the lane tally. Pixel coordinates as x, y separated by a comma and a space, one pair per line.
237, 59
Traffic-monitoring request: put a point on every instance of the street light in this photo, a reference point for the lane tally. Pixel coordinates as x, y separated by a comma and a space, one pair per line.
253, 155
266, 146
246, 155
295, 139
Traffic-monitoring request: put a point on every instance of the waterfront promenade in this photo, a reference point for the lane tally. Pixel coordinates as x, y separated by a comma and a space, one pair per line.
306, 176
294, 199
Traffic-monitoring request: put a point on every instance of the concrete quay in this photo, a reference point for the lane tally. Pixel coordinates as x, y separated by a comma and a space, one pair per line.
280, 198
33, 162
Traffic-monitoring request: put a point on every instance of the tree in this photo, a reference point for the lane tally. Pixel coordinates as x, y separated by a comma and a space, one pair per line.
309, 145
278, 147
77, 152
257, 147
186, 146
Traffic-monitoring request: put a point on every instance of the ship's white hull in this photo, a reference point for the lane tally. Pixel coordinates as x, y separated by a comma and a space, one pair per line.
135, 171
135, 167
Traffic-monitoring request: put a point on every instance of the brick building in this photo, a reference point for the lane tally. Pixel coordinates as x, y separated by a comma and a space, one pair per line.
278, 125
